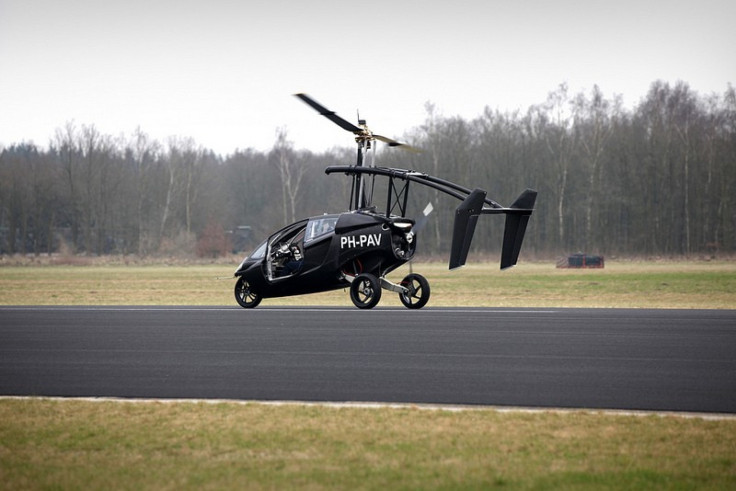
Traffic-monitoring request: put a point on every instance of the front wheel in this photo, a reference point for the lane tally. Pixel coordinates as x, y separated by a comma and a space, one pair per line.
365, 291
417, 294
245, 296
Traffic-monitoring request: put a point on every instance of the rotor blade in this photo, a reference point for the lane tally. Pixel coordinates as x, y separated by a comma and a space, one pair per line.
394, 143
346, 125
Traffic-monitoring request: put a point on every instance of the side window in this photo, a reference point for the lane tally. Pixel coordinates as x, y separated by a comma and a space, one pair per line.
317, 227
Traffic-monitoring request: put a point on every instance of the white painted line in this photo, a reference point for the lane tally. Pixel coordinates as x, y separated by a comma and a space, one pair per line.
395, 405
241, 311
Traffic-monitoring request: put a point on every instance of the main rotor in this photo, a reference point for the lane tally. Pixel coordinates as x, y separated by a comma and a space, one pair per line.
364, 137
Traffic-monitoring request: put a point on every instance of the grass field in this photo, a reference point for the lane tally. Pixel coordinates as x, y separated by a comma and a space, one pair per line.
51, 444
74, 444
625, 284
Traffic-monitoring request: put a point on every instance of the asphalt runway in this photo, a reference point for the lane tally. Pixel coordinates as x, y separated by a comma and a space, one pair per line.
662, 360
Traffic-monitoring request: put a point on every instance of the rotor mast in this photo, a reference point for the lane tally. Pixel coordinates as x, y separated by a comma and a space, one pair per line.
365, 138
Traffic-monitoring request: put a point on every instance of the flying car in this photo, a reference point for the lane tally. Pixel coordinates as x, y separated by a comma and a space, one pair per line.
358, 248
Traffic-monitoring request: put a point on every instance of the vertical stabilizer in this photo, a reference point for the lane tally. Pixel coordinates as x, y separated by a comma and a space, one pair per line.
517, 218
466, 217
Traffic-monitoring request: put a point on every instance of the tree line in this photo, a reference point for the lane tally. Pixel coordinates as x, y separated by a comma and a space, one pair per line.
657, 179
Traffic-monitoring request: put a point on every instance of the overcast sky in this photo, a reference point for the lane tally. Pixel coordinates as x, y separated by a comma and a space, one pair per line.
223, 72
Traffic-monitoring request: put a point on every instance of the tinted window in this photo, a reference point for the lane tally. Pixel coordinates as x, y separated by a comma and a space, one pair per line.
317, 227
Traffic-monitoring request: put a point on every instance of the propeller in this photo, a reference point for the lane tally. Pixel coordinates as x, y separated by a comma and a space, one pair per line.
363, 135
422, 220
419, 225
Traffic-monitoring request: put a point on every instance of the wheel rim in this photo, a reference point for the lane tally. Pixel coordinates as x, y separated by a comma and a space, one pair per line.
365, 291
414, 294
248, 297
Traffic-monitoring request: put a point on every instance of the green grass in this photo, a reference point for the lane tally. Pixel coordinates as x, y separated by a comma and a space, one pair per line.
625, 284
102, 445
622, 285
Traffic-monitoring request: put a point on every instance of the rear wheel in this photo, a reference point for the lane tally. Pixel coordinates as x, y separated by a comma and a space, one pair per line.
418, 291
244, 294
365, 291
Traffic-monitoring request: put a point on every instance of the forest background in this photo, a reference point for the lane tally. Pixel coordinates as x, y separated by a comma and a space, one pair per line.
658, 179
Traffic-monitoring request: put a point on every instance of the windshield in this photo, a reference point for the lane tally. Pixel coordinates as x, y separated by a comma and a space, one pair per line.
317, 227
259, 252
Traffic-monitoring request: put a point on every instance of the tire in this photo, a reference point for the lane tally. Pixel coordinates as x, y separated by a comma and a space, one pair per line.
245, 296
418, 294
365, 291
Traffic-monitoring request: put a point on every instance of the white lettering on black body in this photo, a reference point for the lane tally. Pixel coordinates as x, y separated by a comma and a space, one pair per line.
362, 240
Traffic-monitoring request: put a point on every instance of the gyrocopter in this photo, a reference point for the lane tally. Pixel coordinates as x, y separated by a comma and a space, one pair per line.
356, 249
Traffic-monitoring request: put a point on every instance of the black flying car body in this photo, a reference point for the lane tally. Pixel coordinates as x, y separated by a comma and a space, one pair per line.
358, 248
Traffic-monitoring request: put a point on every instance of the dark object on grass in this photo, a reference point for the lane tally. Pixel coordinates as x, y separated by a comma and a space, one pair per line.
581, 260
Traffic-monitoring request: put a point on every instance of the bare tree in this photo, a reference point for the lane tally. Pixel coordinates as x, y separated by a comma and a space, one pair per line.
69, 155
561, 144
594, 127
144, 153
291, 173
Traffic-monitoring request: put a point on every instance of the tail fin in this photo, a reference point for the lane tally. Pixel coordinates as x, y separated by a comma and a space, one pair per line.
517, 218
466, 217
